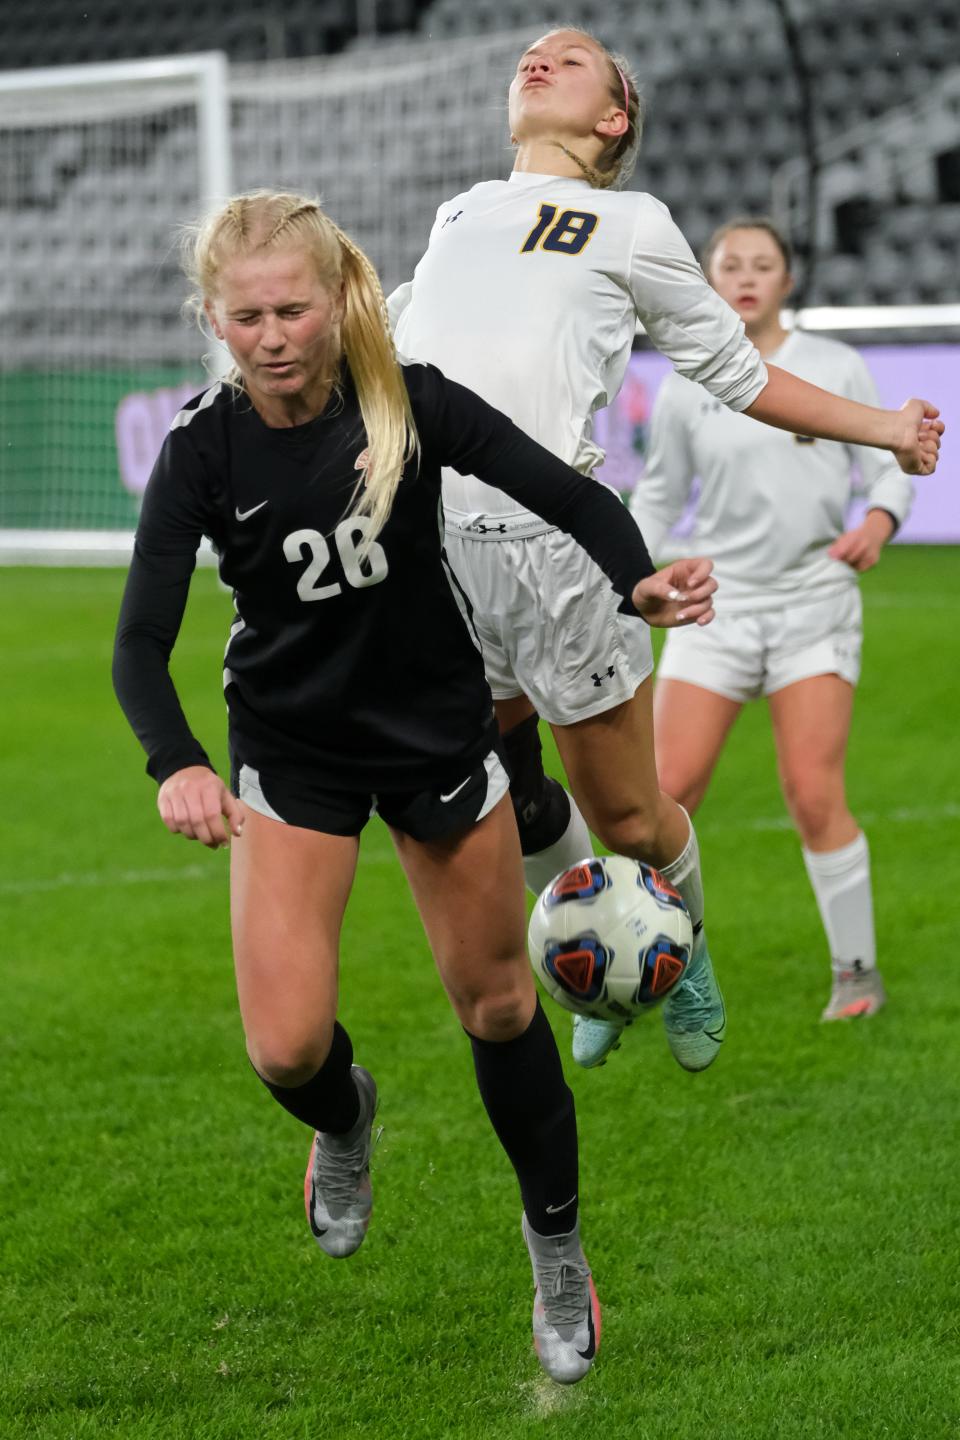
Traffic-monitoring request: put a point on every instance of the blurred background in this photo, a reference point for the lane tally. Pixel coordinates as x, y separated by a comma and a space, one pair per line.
118, 121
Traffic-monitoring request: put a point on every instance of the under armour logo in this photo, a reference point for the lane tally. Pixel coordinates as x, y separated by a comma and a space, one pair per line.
450, 219
599, 679
482, 529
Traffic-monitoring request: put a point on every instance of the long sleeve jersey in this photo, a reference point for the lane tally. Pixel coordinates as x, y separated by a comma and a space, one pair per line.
770, 503
361, 671
529, 292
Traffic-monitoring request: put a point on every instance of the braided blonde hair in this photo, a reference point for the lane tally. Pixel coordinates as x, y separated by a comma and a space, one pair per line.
265, 220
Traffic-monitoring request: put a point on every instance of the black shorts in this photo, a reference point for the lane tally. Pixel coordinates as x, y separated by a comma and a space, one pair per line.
421, 814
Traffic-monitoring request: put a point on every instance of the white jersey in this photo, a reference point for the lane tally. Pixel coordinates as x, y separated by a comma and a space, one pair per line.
529, 294
770, 503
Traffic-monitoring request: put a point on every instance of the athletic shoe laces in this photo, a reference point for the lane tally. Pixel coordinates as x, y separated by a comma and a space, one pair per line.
692, 1003
339, 1168
564, 1290
691, 1007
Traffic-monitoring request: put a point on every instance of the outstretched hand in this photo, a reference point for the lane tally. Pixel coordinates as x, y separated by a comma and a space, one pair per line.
679, 594
919, 448
195, 802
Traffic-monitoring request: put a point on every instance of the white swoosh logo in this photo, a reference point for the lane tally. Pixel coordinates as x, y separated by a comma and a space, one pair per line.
445, 798
555, 1209
245, 514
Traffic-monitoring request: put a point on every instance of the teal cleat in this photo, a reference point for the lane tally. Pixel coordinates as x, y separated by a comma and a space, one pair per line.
594, 1040
693, 1013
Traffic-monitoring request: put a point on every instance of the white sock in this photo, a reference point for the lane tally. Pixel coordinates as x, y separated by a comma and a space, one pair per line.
841, 884
684, 874
573, 846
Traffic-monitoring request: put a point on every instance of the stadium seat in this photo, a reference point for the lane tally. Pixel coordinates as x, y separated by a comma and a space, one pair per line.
716, 75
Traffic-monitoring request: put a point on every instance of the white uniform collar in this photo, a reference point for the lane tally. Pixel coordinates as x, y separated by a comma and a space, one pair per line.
530, 177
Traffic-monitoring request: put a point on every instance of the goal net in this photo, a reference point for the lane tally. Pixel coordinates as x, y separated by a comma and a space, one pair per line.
102, 163
382, 134
99, 163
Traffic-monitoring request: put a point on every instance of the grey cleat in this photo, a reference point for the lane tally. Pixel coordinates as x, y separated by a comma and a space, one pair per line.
855, 993
336, 1187
566, 1312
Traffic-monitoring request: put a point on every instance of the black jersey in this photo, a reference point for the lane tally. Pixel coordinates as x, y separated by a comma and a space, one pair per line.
361, 673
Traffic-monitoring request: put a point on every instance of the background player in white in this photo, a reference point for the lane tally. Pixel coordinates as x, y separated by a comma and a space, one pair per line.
770, 511
354, 686
529, 292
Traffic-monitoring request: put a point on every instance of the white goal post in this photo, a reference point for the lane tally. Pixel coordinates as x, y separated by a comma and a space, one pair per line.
100, 163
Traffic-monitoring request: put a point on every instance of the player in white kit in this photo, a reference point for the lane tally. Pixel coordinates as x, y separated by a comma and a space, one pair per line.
529, 292
770, 511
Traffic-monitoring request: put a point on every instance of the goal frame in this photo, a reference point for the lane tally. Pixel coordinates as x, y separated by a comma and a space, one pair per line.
208, 73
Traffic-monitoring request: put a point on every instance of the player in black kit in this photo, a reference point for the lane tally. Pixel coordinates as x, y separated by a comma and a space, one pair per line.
355, 685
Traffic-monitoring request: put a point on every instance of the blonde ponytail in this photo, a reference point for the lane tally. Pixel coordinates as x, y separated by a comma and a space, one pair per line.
388, 420
266, 220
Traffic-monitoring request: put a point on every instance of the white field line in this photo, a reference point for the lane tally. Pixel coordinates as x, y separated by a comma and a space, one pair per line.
94, 879
185, 874
97, 879
901, 815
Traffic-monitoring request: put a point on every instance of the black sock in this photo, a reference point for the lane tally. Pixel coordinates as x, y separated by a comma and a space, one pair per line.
329, 1101
531, 1109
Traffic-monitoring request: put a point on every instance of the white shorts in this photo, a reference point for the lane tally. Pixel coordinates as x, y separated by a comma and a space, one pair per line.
745, 653
549, 626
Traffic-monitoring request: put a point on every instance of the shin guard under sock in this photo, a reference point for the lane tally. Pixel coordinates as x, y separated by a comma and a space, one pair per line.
531, 1109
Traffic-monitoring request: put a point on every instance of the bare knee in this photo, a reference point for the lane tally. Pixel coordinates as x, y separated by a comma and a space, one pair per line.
289, 1058
501, 1018
815, 807
677, 782
500, 1013
632, 832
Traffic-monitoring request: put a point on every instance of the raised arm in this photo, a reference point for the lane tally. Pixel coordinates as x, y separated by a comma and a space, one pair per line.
911, 434
474, 438
687, 320
889, 492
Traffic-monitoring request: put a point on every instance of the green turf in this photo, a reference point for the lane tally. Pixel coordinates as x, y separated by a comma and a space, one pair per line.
775, 1241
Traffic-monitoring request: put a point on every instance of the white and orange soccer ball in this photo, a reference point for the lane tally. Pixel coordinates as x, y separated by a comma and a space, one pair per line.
610, 938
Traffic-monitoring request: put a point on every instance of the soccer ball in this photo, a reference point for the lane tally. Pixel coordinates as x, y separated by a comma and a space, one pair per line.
610, 938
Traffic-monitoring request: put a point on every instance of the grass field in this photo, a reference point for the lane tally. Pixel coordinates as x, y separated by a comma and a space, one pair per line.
775, 1241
